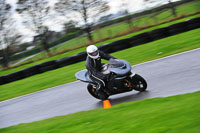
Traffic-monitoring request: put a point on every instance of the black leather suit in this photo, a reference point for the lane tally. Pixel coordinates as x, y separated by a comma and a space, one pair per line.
94, 67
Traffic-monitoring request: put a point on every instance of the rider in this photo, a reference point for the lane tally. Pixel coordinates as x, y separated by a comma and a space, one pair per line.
94, 66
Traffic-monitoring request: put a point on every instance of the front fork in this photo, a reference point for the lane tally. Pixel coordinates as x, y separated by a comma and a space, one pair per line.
128, 82
132, 74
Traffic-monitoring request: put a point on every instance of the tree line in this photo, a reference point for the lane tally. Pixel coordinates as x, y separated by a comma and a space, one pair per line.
36, 12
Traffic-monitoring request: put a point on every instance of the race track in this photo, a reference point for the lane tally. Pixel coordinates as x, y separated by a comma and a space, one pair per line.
168, 76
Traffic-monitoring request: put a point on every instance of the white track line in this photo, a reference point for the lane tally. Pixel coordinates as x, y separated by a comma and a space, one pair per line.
168, 56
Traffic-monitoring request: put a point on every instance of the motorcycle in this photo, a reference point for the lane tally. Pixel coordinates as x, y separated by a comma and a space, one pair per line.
121, 79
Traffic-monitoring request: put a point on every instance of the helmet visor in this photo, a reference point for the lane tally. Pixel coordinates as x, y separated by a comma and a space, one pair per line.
94, 53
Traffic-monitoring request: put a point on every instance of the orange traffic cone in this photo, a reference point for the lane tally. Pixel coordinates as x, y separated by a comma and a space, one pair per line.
106, 104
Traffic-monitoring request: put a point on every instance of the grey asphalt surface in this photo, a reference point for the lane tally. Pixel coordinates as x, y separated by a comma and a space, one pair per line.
173, 75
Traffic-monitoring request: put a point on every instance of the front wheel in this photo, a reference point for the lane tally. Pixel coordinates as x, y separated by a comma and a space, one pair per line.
99, 95
139, 83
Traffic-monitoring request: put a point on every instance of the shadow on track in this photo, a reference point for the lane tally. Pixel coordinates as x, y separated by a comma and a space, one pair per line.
122, 99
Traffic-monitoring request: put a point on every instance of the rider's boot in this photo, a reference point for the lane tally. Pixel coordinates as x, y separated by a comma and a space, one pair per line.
101, 93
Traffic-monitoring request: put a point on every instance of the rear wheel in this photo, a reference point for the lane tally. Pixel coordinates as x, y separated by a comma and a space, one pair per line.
139, 83
99, 95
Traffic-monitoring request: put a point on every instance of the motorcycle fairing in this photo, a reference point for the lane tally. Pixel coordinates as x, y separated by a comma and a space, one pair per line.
121, 71
83, 76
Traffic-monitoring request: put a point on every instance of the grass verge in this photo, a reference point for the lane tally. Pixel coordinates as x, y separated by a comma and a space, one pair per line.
175, 114
150, 51
112, 31
119, 28
73, 52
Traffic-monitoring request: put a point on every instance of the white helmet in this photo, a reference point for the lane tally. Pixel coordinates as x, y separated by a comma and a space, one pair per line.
93, 52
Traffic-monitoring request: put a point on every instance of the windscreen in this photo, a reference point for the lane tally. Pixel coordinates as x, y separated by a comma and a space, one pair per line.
115, 64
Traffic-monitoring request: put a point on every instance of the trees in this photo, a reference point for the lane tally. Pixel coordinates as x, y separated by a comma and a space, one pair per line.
70, 26
35, 13
88, 10
10, 38
4, 15
171, 6
124, 6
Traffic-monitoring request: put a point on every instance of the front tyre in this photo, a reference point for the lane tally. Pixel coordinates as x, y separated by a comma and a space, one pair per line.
139, 83
99, 95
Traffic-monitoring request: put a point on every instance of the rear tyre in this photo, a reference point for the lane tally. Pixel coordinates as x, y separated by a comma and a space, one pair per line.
99, 95
139, 83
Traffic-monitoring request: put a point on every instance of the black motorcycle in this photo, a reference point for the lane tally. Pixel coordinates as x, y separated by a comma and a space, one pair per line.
121, 79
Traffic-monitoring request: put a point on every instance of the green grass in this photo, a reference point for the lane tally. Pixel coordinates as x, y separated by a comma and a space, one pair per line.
118, 28
141, 21
154, 50
147, 20
161, 48
59, 56
175, 114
